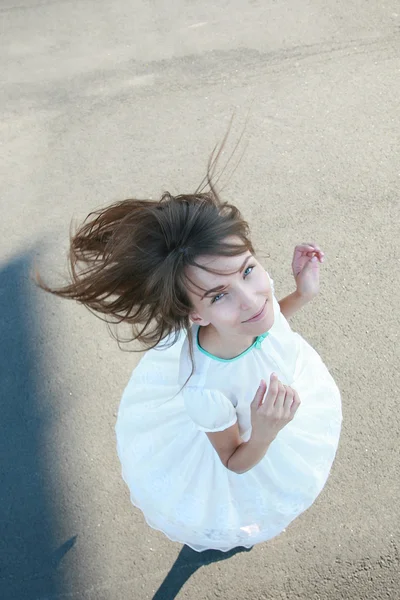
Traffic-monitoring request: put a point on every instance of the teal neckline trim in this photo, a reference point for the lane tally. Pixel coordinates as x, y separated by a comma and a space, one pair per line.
256, 344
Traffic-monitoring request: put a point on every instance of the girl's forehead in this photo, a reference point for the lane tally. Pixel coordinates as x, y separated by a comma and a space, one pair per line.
225, 265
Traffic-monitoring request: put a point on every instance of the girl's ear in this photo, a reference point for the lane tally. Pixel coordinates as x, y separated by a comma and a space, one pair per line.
196, 318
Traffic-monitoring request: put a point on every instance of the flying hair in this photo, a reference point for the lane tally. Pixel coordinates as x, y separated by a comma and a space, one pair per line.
128, 262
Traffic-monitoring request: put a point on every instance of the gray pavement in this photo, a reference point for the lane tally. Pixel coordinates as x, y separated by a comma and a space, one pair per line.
102, 100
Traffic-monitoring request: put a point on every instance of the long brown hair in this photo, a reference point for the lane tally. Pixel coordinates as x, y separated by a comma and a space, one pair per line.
128, 261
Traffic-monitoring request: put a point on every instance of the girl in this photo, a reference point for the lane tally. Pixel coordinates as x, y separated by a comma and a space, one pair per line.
229, 425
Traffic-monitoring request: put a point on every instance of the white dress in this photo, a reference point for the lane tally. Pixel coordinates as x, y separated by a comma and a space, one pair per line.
173, 472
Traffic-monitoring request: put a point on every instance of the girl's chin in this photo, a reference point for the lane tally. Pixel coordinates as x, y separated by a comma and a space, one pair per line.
262, 325
255, 329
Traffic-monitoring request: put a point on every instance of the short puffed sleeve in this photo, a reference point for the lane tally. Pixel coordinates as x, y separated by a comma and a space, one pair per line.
209, 409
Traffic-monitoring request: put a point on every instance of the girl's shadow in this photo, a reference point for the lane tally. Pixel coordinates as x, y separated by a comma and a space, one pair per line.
186, 564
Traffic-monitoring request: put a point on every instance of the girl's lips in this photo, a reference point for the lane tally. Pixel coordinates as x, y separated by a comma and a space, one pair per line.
258, 316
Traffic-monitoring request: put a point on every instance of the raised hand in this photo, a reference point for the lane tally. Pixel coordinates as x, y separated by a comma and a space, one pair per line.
305, 266
271, 411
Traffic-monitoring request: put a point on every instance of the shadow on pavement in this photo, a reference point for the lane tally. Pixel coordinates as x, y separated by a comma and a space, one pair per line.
29, 557
186, 564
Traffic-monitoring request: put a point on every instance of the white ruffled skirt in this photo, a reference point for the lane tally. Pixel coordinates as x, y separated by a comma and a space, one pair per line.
178, 481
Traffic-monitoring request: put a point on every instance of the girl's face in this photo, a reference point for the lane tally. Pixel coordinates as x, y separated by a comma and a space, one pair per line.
237, 302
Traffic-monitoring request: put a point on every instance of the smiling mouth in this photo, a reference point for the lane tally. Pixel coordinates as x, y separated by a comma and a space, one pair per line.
257, 315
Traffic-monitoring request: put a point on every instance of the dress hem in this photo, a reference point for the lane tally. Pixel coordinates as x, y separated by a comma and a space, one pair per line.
172, 539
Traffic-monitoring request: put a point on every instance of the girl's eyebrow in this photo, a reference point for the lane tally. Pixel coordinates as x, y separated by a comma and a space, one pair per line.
220, 288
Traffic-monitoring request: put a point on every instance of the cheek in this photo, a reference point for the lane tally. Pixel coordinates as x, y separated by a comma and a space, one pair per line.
225, 313
263, 282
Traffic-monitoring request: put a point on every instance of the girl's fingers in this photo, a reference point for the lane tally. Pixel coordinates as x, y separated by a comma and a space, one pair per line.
272, 390
309, 247
304, 248
289, 397
296, 402
280, 397
294, 408
310, 251
258, 398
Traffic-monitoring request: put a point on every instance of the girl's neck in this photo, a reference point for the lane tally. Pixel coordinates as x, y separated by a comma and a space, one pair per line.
223, 346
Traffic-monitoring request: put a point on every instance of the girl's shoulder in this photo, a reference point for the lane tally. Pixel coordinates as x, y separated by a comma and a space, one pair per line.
192, 365
202, 370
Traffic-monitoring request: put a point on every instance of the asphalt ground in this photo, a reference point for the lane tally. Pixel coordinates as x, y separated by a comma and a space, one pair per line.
105, 100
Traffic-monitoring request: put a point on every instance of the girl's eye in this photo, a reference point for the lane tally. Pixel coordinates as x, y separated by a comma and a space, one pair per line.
217, 297
248, 270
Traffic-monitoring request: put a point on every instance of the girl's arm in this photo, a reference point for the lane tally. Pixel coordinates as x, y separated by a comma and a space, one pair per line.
236, 455
270, 411
305, 268
292, 303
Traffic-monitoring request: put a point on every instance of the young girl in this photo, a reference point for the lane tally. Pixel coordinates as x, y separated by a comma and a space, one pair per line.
229, 425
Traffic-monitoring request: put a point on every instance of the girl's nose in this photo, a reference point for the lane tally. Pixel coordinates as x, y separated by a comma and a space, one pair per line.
246, 301
244, 307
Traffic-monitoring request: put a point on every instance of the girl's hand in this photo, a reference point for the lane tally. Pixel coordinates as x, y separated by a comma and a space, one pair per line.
305, 267
268, 417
